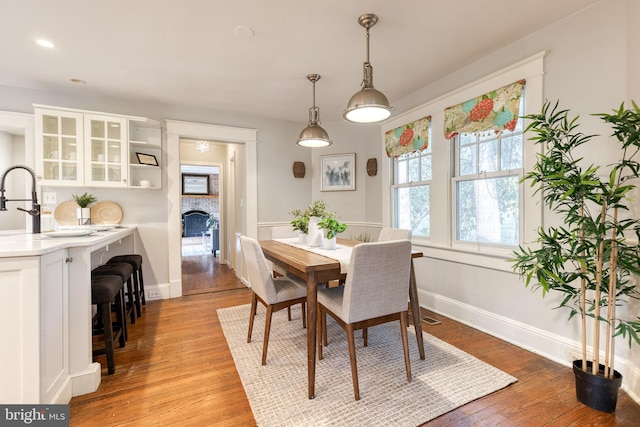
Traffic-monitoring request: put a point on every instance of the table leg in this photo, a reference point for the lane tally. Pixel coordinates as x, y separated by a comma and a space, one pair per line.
415, 310
312, 299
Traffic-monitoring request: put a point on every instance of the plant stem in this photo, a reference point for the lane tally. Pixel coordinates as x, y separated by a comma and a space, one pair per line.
598, 294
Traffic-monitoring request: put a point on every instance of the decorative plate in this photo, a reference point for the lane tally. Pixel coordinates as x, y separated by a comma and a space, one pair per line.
65, 213
69, 233
106, 213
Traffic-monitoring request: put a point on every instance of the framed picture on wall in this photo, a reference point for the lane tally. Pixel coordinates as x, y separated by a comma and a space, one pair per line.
338, 172
195, 184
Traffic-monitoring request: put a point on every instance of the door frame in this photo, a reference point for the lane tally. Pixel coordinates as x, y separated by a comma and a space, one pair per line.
246, 210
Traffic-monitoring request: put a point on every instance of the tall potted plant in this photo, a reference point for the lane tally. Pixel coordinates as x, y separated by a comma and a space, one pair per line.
591, 257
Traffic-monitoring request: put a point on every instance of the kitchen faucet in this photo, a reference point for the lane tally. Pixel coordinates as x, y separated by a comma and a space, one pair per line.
35, 207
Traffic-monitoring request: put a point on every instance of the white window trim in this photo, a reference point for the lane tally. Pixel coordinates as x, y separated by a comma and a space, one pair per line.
440, 244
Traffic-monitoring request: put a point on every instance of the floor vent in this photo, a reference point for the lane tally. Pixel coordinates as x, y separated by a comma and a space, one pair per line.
430, 320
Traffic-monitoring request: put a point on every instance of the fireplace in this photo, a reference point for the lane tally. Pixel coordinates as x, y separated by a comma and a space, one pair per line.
194, 223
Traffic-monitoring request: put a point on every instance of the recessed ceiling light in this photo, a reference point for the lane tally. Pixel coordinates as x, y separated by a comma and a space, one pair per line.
45, 43
242, 31
78, 81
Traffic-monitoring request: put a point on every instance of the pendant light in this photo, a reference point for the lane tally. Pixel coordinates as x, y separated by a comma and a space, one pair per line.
368, 105
313, 135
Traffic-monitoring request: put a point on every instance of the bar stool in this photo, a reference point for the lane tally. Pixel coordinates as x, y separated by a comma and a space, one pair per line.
135, 261
124, 270
107, 291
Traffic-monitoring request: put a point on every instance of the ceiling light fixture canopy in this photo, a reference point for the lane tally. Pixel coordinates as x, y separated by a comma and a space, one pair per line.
368, 105
313, 135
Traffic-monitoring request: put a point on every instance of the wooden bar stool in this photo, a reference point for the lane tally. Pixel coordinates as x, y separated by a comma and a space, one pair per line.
135, 261
125, 271
107, 291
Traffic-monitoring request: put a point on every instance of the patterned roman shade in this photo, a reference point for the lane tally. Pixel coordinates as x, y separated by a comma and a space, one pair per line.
497, 110
408, 138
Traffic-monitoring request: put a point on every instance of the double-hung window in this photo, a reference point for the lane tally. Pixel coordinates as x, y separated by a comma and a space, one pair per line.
408, 146
486, 186
411, 183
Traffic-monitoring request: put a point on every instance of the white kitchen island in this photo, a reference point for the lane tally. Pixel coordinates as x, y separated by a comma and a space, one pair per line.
45, 313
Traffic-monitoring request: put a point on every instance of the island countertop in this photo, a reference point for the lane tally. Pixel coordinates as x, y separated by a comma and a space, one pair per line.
20, 243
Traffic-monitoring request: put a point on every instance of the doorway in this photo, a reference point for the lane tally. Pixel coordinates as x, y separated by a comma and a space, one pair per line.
240, 176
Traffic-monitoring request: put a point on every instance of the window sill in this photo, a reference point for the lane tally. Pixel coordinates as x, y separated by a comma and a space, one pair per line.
491, 258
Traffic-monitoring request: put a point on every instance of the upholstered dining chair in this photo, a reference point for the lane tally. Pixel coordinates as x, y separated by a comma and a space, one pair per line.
388, 233
275, 293
376, 291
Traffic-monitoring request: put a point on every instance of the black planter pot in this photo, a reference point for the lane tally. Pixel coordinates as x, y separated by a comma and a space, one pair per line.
596, 391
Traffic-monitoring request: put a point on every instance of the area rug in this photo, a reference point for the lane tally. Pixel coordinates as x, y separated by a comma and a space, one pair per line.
277, 392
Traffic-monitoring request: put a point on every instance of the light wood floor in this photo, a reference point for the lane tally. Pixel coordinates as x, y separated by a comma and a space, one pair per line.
176, 369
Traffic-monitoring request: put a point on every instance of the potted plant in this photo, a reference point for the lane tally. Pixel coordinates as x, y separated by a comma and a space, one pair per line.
332, 227
300, 222
83, 213
307, 221
590, 258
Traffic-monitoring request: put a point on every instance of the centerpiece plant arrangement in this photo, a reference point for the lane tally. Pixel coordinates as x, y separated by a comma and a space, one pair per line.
84, 212
592, 259
308, 221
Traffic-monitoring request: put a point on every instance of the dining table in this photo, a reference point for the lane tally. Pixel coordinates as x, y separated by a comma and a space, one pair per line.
315, 267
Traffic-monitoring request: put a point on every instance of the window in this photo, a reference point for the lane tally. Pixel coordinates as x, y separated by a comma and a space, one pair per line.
486, 186
411, 180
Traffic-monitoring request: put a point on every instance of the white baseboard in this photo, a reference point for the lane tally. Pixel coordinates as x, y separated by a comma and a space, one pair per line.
546, 344
64, 394
87, 381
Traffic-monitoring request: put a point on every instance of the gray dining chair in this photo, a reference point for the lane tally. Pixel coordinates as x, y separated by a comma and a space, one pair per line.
388, 233
375, 291
275, 293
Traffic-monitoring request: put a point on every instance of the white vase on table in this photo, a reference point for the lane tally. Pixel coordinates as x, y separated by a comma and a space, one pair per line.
329, 243
303, 238
315, 233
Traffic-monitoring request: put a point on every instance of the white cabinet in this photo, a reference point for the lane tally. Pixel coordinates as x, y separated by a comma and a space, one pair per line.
34, 291
76, 148
106, 151
59, 147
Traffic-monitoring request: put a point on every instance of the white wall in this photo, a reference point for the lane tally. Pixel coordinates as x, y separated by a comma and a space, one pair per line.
591, 67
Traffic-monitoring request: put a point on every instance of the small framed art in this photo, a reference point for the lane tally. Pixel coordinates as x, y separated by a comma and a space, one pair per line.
338, 172
147, 159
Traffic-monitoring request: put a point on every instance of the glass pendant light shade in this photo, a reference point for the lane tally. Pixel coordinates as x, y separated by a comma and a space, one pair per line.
313, 135
368, 105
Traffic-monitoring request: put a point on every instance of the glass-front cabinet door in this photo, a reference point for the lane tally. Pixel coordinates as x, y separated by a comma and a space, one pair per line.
59, 147
107, 150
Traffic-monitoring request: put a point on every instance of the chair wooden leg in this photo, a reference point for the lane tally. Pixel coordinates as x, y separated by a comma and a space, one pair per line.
325, 339
365, 336
352, 357
320, 330
289, 313
303, 307
267, 329
405, 344
252, 315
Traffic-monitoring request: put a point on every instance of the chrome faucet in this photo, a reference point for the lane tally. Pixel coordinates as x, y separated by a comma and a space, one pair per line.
35, 207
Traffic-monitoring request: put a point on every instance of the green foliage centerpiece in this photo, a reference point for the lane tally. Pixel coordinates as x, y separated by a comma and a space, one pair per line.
592, 257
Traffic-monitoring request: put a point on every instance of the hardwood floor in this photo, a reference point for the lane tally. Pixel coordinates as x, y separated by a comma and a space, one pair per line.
176, 369
204, 273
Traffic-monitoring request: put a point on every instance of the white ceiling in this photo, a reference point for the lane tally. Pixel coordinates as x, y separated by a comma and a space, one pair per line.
186, 52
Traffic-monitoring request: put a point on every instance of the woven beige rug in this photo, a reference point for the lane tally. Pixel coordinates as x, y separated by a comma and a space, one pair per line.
277, 392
